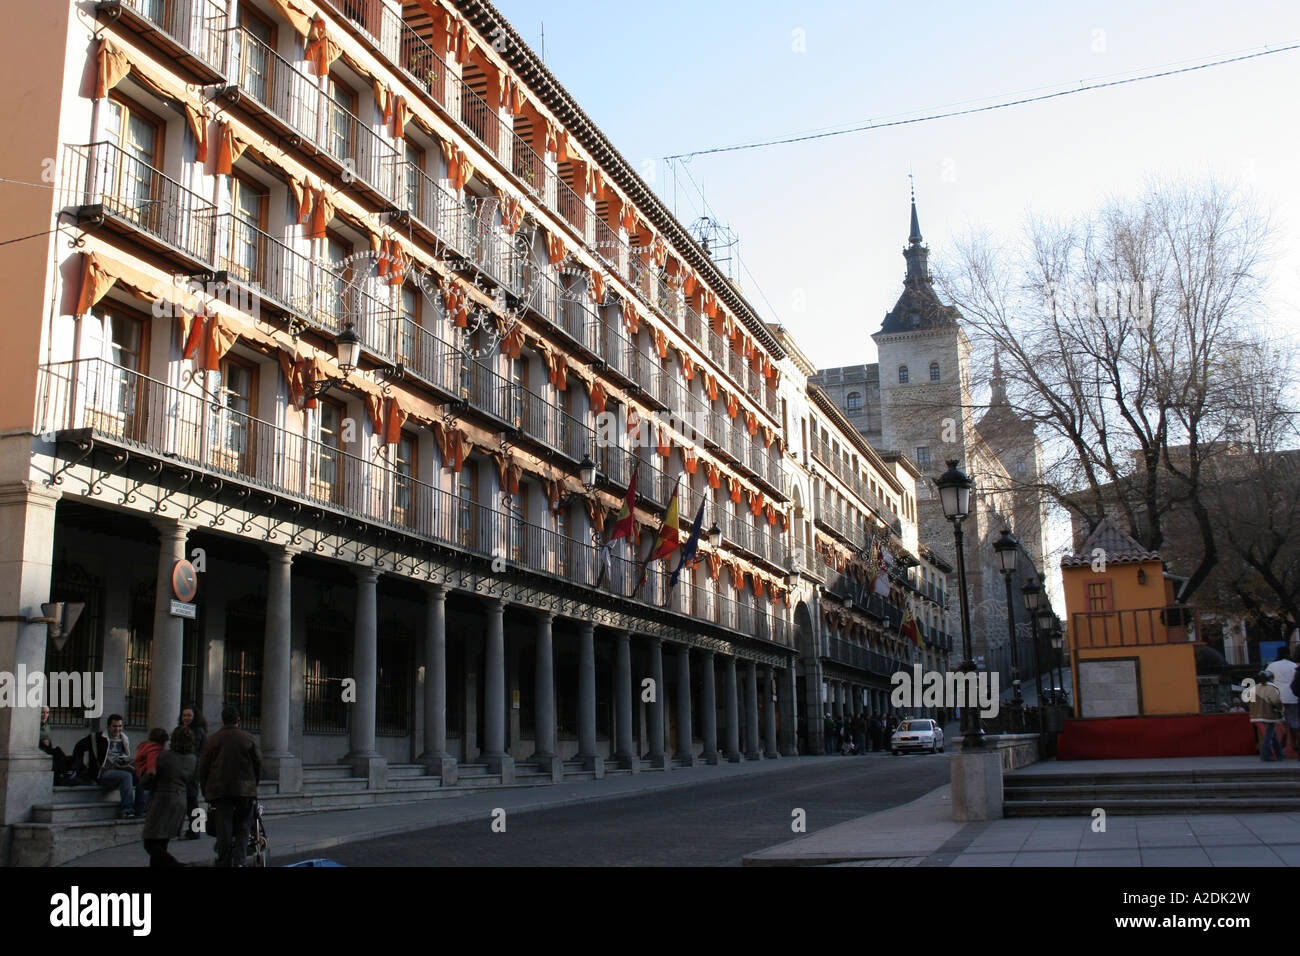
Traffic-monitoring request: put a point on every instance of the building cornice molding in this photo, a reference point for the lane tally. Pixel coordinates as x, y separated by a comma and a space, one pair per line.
486, 19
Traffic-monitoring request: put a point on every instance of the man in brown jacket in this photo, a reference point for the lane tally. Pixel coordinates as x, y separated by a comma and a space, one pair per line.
1266, 713
229, 770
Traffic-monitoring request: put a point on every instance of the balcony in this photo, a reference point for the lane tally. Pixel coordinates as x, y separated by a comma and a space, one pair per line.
835, 520
406, 45
427, 357
291, 102
548, 424
856, 656
615, 348
1134, 627
189, 32
822, 451
311, 289
105, 183
643, 371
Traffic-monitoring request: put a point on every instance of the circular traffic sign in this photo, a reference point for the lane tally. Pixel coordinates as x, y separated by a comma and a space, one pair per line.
185, 581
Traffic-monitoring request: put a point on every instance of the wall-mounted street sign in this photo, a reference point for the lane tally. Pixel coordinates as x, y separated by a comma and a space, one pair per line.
182, 609
185, 581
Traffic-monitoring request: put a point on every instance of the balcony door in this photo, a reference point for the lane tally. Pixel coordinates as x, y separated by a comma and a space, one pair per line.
413, 184
327, 459
408, 334
129, 167
257, 63
404, 478
233, 436
335, 286
467, 506
342, 135
249, 201
116, 394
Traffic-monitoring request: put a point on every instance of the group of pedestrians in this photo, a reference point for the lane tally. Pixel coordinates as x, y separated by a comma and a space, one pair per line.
162, 780
1275, 708
858, 734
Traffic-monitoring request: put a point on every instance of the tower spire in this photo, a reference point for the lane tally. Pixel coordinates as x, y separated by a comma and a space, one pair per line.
916, 254
914, 238
997, 383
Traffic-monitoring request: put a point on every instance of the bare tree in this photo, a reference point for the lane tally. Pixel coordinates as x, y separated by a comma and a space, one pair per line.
1111, 332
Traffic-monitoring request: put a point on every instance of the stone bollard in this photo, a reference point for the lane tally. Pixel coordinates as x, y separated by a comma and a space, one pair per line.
976, 785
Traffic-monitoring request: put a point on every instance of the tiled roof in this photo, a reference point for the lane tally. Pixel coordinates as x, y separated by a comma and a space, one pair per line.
1117, 544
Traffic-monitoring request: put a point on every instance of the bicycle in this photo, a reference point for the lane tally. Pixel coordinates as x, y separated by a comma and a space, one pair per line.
259, 847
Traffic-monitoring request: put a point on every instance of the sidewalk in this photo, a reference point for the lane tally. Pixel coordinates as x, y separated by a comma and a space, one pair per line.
294, 834
922, 833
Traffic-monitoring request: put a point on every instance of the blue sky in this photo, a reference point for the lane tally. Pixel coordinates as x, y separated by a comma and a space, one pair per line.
822, 224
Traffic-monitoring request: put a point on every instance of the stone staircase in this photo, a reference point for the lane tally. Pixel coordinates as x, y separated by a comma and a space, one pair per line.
81, 820
1128, 793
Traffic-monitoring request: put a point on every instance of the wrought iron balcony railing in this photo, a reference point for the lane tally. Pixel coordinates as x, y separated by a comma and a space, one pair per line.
189, 426
127, 190
189, 29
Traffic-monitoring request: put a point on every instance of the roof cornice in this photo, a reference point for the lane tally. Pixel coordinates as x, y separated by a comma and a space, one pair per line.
486, 19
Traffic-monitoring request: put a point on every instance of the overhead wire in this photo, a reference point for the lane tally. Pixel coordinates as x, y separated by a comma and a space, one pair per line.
1021, 101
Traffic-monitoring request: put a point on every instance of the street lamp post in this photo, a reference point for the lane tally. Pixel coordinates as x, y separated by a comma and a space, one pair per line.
1006, 548
1047, 624
1058, 648
954, 494
1032, 595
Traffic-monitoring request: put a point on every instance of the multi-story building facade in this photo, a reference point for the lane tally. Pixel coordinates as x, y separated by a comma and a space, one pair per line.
341, 302
917, 400
846, 499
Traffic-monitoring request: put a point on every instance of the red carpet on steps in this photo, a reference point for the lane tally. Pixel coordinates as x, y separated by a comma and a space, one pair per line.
1117, 738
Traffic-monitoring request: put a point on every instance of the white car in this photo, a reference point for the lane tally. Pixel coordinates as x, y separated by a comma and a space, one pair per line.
917, 734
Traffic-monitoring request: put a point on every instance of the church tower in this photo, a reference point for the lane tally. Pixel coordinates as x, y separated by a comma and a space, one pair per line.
924, 362
926, 412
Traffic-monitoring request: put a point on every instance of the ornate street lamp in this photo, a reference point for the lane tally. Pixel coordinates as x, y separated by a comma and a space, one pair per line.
954, 495
1007, 549
587, 472
348, 344
715, 535
1032, 595
1047, 624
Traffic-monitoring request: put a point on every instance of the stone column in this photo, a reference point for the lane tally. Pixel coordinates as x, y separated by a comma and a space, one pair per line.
685, 745
625, 747
752, 751
26, 562
587, 754
494, 694
657, 756
364, 758
544, 756
167, 654
787, 690
437, 761
733, 711
277, 650
709, 711
769, 713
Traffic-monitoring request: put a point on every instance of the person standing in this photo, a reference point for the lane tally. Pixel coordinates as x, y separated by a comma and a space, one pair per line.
198, 727
173, 777
860, 732
229, 769
1266, 713
1283, 670
828, 727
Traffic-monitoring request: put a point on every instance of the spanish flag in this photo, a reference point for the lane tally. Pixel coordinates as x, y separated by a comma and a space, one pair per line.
909, 628
669, 533
623, 523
